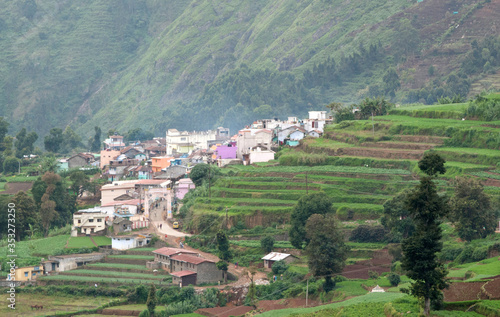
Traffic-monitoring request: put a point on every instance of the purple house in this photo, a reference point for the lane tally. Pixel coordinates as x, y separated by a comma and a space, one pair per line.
183, 186
225, 152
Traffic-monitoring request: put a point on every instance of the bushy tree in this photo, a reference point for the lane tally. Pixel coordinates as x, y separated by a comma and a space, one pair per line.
326, 250
96, 140
471, 210
202, 172
224, 253
53, 140
420, 249
432, 164
25, 142
307, 205
27, 217
397, 218
151, 301
279, 267
11, 165
267, 243
79, 182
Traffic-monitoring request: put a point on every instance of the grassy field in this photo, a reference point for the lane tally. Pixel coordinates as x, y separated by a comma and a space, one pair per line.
118, 266
84, 272
102, 240
38, 247
483, 269
77, 278
52, 304
80, 242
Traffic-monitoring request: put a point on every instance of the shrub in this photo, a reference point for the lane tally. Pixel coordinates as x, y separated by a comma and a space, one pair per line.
373, 275
366, 233
479, 254
267, 243
466, 255
144, 313
279, 267
394, 279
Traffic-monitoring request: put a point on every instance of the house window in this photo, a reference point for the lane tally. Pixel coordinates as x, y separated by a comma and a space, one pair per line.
25, 274
99, 220
91, 220
79, 221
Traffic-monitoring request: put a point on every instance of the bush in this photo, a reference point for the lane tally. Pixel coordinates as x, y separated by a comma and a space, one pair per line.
366, 233
144, 313
466, 255
373, 275
394, 279
267, 243
479, 254
279, 267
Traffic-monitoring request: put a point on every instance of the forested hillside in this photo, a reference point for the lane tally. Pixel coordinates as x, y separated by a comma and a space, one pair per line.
197, 64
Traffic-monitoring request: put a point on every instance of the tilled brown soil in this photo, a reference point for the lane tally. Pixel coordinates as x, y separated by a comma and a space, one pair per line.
463, 291
14, 188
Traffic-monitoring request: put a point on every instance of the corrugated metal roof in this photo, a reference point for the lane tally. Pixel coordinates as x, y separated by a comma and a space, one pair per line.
189, 259
276, 256
170, 251
182, 273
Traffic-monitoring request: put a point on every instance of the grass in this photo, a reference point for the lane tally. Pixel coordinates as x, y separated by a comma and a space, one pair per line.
52, 304
147, 249
119, 266
77, 278
369, 298
114, 274
101, 240
38, 247
256, 244
80, 242
484, 268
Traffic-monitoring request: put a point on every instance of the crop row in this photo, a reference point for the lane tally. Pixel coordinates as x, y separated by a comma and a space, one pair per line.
118, 266
77, 278
112, 273
132, 256
324, 169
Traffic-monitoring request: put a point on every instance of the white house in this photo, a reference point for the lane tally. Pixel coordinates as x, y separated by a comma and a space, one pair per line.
259, 154
250, 138
129, 241
272, 257
121, 208
88, 221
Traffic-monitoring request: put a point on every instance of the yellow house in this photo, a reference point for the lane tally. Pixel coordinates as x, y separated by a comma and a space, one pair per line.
160, 162
27, 273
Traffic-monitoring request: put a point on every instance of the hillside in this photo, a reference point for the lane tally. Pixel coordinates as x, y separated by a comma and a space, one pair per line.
199, 64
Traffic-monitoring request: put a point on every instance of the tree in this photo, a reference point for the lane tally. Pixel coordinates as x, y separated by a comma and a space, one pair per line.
151, 301
432, 164
4, 128
96, 141
48, 207
70, 140
307, 205
11, 165
326, 250
267, 243
79, 182
420, 250
27, 217
391, 82
24, 142
471, 210
279, 267
53, 140
224, 253
397, 218
202, 172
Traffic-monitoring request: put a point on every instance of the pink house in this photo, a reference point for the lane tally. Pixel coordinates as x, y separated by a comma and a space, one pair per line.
225, 152
183, 186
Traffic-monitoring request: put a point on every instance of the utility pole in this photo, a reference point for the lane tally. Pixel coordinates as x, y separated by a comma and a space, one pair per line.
373, 127
307, 186
307, 292
226, 220
209, 177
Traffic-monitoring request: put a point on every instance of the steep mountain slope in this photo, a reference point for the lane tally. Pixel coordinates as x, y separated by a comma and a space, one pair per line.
197, 64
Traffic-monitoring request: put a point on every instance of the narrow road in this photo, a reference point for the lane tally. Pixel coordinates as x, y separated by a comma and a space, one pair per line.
157, 216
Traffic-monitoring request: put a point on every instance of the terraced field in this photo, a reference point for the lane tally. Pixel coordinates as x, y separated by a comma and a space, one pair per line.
360, 164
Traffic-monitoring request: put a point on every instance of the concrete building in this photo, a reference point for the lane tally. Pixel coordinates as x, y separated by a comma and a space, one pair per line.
163, 256
110, 191
186, 142
114, 142
130, 241
108, 156
61, 263
161, 162
258, 154
88, 221
206, 270
27, 273
250, 138
276, 256
182, 187
81, 160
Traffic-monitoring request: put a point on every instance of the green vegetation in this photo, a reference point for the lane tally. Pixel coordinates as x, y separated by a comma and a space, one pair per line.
132, 256
98, 279
80, 242
118, 266
114, 274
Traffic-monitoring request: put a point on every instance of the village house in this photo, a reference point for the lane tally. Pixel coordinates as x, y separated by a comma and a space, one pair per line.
182, 187
130, 241
160, 162
273, 257
131, 152
114, 142
172, 173
120, 225
80, 160
258, 154
186, 142
121, 208
144, 172
89, 221
27, 273
205, 270
314, 133
61, 263
251, 138
108, 156
111, 191
162, 257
